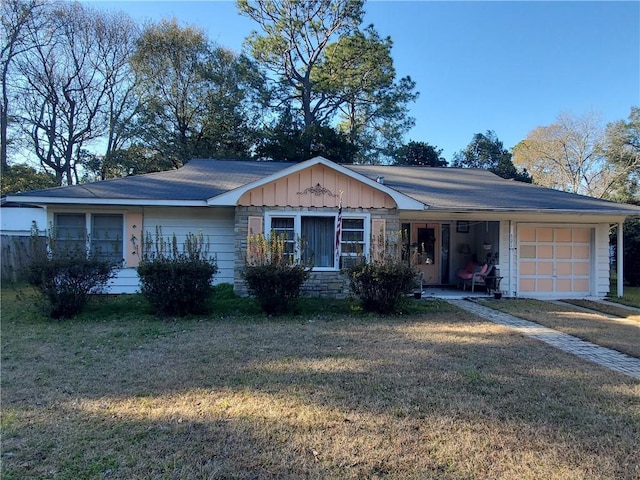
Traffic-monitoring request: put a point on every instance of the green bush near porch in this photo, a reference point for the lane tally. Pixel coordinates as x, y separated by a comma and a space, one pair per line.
273, 274
382, 287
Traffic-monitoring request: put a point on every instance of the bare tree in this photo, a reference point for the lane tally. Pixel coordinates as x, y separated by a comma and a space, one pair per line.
116, 37
569, 155
14, 19
69, 85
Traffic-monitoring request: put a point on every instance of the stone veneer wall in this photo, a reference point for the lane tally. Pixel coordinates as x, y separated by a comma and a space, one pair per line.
320, 284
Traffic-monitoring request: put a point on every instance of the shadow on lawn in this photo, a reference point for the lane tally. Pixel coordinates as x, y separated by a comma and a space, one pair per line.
444, 396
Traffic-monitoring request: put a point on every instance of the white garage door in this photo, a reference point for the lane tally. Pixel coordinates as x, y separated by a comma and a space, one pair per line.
554, 260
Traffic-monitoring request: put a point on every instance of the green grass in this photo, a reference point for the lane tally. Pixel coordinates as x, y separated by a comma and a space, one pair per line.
631, 295
23, 301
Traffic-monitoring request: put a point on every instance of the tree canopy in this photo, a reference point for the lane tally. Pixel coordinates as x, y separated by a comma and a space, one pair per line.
194, 96
622, 149
22, 178
328, 72
421, 154
487, 152
90, 94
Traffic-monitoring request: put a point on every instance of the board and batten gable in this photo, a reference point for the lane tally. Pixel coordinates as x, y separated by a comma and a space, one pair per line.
316, 186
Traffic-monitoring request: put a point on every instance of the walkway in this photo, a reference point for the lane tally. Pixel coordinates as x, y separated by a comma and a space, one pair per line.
606, 357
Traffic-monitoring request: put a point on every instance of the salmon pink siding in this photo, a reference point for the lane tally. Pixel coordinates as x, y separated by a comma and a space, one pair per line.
316, 187
314, 191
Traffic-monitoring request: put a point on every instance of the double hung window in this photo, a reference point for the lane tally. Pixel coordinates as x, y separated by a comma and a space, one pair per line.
352, 242
106, 237
284, 227
70, 233
101, 235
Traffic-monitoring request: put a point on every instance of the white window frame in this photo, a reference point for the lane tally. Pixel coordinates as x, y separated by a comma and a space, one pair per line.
291, 242
365, 238
88, 222
297, 226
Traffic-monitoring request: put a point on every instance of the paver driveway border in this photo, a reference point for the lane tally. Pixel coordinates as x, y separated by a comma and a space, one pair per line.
603, 356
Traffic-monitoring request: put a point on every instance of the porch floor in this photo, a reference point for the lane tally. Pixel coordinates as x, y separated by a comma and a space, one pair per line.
452, 292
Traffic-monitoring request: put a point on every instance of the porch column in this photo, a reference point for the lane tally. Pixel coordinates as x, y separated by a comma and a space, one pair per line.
620, 259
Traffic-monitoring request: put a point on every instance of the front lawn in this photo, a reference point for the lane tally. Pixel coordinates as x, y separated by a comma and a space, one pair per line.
119, 394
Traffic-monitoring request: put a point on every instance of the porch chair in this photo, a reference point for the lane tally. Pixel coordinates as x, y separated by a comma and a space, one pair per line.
474, 277
466, 273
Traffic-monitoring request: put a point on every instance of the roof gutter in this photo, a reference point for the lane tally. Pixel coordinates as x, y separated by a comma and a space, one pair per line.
628, 213
41, 201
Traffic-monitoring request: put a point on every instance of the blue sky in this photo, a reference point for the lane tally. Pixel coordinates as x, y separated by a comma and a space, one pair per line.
502, 66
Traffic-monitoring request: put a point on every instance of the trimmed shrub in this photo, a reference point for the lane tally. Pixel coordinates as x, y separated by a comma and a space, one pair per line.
273, 274
65, 276
67, 283
381, 286
177, 282
275, 287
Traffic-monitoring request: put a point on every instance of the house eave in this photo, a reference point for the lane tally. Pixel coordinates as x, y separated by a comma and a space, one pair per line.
42, 201
560, 211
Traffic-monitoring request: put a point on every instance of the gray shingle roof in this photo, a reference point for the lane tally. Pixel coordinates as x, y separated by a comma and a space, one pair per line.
450, 189
198, 180
463, 189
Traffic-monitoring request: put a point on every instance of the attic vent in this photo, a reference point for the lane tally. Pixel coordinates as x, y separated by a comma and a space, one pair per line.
380, 179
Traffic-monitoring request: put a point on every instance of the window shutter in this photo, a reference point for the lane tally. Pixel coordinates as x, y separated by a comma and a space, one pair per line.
378, 237
254, 227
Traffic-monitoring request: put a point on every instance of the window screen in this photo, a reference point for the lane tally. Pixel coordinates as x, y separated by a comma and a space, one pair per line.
106, 237
285, 226
70, 234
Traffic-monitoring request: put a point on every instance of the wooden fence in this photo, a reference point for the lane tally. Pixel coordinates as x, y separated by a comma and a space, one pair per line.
16, 253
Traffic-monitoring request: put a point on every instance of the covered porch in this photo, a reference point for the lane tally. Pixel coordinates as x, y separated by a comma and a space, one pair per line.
442, 249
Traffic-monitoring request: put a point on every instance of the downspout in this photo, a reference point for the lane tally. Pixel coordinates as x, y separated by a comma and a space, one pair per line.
620, 260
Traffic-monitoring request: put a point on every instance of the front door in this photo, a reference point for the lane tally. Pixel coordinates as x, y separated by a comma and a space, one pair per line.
426, 251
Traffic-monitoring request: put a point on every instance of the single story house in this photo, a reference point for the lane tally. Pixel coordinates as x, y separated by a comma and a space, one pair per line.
545, 243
